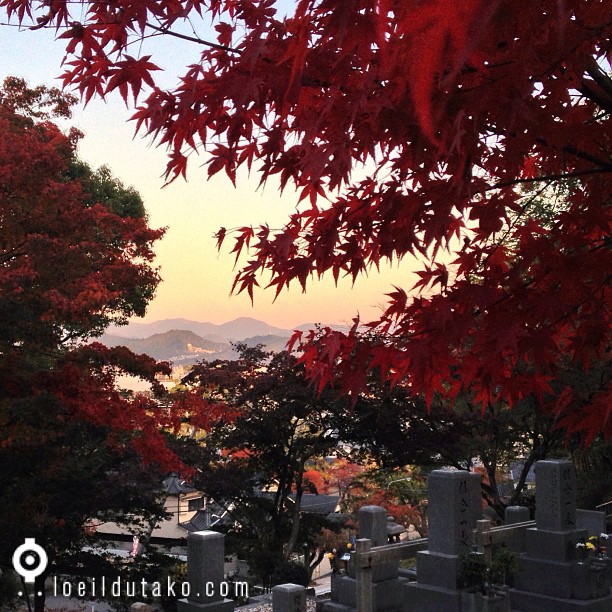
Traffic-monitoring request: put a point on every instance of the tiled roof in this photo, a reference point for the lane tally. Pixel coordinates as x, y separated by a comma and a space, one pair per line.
173, 485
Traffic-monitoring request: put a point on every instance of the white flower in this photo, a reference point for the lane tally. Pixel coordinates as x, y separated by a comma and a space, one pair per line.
580, 545
603, 536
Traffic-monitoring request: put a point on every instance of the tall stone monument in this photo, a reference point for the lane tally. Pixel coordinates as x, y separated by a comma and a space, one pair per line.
454, 507
551, 576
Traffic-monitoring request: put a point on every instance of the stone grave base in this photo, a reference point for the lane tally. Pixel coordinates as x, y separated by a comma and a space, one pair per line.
569, 580
477, 602
424, 598
553, 545
524, 601
223, 605
553, 578
438, 569
386, 595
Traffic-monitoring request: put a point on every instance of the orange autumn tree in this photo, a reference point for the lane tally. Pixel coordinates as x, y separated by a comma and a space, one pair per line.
402, 493
449, 110
334, 475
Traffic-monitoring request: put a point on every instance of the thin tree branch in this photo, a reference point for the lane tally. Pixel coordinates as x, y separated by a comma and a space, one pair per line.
550, 177
195, 39
587, 90
599, 76
604, 165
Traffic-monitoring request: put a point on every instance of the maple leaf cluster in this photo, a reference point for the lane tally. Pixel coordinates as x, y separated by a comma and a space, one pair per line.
408, 129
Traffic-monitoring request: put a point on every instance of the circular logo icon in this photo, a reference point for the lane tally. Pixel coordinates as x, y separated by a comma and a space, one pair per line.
30, 560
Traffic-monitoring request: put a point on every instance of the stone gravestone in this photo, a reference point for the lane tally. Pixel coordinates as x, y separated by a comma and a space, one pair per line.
454, 506
513, 515
205, 574
555, 496
593, 521
373, 526
386, 582
289, 598
550, 576
516, 514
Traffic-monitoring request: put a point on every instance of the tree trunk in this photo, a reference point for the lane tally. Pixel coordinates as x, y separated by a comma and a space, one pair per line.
314, 561
295, 527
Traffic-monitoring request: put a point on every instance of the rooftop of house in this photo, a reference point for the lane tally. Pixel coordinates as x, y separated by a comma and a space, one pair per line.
173, 485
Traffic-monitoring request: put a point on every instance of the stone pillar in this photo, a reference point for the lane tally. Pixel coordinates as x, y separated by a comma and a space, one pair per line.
289, 598
373, 527
555, 534
454, 507
550, 576
555, 495
373, 524
453, 511
205, 574
513, 515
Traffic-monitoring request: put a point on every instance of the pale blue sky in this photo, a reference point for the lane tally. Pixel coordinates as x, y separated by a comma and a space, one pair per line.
196, 279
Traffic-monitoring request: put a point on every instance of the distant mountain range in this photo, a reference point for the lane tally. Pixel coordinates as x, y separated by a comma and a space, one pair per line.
184, 342
237, 329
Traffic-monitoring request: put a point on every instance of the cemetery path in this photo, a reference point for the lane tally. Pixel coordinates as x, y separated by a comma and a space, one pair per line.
323, 585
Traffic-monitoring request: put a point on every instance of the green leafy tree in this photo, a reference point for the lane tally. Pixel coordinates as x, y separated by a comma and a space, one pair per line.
259, 451
393, 429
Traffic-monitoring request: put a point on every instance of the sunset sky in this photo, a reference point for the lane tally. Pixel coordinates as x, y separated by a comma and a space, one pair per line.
196, 278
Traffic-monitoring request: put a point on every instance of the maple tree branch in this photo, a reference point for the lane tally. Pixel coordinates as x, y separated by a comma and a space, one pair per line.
515, 221
549, 324
588, 157
576, 308
587, 91
13, 253
194, 39
599, 117
69, 337
599, 76
551, 177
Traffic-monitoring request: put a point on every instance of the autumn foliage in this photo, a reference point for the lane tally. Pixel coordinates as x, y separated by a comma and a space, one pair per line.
70, 264
408, 128
69, 269
76, 254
